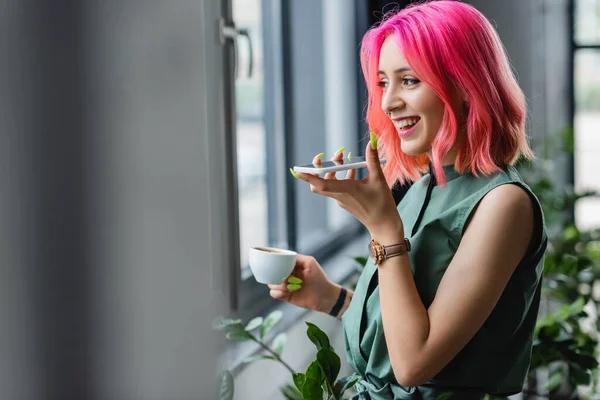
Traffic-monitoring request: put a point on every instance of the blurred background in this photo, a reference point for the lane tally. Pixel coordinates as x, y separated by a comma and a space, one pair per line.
146, 147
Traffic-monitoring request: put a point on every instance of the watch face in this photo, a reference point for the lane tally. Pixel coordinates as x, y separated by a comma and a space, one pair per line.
371, 251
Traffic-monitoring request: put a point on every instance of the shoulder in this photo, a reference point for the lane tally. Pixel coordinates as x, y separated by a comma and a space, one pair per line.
506, 206
508, 196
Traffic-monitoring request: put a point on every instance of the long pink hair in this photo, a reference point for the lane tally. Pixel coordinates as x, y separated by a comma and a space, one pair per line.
450, 46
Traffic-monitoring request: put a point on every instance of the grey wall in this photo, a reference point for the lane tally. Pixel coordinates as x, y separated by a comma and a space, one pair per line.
113, 229
19, 345
156, 84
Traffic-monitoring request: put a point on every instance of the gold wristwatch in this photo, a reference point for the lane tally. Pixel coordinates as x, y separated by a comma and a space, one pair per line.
379, 252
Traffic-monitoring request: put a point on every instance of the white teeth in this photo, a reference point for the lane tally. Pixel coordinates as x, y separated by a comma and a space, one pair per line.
407, 122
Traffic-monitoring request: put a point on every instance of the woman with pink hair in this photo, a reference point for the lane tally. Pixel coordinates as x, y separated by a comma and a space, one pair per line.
449, 299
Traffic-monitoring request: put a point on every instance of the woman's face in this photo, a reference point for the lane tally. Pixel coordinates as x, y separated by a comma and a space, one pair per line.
414, 108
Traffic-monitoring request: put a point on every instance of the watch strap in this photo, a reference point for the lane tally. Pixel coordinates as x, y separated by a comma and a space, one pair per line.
339, 303
397, 249
382, 252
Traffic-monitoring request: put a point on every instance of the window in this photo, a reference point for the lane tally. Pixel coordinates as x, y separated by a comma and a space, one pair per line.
252, 157
587, 107
300, 99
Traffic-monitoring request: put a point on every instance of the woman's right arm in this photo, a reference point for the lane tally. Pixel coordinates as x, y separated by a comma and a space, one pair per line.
330, 301
316, 292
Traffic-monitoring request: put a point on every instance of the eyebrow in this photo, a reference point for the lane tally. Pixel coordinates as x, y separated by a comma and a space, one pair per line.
396, 71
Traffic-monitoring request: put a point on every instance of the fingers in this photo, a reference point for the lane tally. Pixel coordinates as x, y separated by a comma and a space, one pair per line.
351, 174
338, 156
327, 187
317, 159
282, 295
302, 262
284, 291
292, 284
372, 156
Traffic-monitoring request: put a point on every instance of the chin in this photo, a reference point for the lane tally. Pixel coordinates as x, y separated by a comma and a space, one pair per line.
412, 150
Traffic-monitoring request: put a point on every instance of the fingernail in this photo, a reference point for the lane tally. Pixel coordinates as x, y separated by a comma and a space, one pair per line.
293, 288
373, 141
350, 156
340, 150
319, 155
294, 280
294, 173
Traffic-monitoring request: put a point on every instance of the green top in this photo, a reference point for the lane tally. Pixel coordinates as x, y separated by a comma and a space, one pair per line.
497, 358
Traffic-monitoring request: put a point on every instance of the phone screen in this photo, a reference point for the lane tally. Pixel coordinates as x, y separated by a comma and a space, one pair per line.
328, 164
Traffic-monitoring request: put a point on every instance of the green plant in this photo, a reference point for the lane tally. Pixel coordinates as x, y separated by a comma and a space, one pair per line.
321, 376
319, 381
563, 346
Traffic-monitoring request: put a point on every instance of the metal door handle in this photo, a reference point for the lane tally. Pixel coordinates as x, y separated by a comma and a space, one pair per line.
228, 31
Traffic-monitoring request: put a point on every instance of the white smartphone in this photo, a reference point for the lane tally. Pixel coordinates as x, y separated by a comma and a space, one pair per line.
334, 166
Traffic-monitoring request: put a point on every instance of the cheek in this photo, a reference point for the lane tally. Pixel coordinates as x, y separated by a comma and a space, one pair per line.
434, 116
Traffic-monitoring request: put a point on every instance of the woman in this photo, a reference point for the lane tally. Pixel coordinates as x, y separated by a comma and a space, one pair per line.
453, 306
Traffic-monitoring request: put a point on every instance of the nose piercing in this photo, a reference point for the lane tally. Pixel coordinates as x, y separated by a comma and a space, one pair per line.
388, 113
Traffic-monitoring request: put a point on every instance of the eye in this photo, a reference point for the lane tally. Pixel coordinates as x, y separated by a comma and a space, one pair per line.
410, 81
383, 84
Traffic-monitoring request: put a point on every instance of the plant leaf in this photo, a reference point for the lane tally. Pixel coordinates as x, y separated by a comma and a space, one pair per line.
361, 260
290, 392
299, 379
226, 391
269, 322
221, 323
254, 323
330, 363
579, 376
315, 372
317, 336
257, 357
312, 390
279, 342
555, 382
568, 139
239, 336
444, 396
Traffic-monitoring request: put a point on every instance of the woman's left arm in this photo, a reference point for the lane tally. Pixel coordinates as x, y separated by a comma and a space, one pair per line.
421, 341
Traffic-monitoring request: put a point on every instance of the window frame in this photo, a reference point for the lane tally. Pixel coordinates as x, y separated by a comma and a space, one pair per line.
575, 47
280, 122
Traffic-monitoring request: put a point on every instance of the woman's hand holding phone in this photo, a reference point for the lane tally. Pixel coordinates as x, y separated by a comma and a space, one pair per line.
337, 163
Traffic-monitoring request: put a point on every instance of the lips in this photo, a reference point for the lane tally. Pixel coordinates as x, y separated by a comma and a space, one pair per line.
405, 122
404, 131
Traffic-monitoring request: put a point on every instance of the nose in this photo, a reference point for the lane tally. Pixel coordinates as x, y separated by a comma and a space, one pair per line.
391, 101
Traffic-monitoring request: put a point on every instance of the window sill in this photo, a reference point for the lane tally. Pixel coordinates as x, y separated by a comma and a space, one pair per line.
339, 269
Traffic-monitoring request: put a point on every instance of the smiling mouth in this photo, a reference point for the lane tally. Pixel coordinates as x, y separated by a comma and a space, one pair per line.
407, 123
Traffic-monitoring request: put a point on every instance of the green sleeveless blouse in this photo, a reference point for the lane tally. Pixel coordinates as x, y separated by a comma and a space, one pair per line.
497, 358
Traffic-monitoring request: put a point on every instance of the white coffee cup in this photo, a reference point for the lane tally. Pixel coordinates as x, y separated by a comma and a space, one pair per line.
270, 264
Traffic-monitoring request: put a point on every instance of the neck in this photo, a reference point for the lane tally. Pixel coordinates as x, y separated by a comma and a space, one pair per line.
449, 158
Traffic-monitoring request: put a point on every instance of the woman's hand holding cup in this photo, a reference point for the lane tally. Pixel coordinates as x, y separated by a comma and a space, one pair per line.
307, 286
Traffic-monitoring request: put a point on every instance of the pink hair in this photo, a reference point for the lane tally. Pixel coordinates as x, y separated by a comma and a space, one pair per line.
450, 46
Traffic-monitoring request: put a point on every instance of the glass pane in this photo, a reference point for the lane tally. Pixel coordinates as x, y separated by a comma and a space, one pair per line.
587, 126
251, 141
587, 21
326, 110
